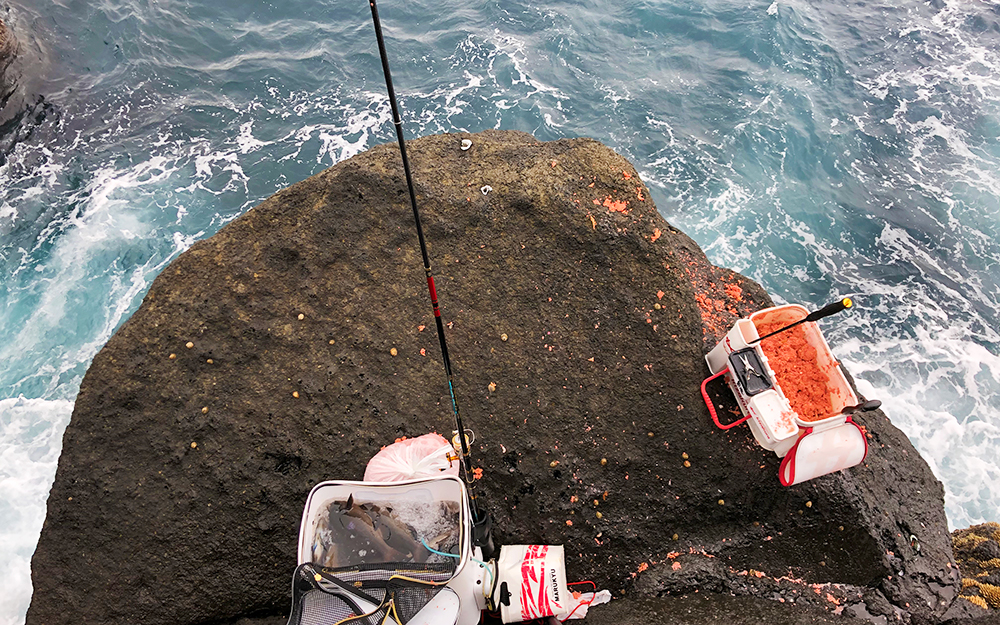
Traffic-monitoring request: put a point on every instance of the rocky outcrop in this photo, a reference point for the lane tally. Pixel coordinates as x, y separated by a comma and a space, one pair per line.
289, 347
712, 609
977, 551
22, 107
8, 75
8, 52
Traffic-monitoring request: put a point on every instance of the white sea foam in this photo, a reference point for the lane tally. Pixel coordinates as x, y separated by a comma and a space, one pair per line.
339, 141
102, 223
30, 442
941, 389
498, 69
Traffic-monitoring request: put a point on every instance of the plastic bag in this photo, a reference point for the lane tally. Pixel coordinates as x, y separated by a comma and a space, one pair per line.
581, 602
412, 458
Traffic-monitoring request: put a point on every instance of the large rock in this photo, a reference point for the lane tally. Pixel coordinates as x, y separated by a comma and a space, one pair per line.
10, 104
22, 110
184, 469
8, 52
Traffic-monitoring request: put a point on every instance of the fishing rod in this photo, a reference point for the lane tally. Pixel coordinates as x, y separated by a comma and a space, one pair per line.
482, 522
815, 315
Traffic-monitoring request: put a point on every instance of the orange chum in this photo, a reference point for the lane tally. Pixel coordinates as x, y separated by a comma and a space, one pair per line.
793, 361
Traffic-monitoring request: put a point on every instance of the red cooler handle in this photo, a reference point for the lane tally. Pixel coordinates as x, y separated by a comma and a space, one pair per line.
789, 461
711, 408
863, 437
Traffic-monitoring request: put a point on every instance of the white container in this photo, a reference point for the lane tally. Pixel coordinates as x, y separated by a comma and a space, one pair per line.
820, 452
770, 417
464, 602
809, 448
446, 490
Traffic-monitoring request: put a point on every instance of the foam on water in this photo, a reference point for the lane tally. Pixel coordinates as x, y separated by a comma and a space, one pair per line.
30, 442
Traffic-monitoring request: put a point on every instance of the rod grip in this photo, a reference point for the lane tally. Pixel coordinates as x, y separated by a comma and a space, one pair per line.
830, 309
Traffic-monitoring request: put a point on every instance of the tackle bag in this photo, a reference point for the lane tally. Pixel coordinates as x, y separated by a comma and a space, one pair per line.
818, 452
386, 553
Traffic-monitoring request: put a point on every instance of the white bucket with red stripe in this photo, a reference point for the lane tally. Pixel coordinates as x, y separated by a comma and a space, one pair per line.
531, 583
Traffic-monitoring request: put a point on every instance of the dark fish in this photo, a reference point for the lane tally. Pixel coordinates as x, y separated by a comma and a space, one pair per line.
399, 535
349, 508
350, 532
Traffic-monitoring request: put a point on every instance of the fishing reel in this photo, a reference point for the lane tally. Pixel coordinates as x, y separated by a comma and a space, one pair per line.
470, 437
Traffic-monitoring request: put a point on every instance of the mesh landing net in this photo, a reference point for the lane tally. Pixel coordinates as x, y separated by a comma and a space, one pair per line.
365, 594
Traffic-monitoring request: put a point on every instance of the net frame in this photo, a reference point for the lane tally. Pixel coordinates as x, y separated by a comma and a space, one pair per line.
349, 593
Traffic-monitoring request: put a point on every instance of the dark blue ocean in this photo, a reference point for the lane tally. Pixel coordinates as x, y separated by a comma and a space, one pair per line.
825, 149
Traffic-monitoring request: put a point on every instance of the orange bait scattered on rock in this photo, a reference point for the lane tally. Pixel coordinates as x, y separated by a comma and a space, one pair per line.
615, 206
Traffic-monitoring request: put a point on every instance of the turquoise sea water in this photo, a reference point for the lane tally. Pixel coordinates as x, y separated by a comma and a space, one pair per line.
824, 149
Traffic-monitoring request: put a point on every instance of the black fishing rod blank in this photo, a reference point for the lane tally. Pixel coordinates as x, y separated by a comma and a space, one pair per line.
481, 519
815, 315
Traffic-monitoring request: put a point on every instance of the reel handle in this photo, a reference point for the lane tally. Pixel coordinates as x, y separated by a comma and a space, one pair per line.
830, 309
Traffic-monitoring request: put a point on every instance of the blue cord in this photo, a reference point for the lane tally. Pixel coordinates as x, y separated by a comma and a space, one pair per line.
440, 553
454, 555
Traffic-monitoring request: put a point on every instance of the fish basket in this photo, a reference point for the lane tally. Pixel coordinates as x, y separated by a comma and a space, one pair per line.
386, 553
350, 523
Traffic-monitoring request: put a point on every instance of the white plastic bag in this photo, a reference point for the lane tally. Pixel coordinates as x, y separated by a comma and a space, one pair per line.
579, 604
412, 458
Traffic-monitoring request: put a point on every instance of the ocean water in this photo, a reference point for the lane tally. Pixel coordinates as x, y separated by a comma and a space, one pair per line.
824, 149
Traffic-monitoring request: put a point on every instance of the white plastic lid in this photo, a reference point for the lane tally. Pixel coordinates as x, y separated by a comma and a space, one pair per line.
775, 416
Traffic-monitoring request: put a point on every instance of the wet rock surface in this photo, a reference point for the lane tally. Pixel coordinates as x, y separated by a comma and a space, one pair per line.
706, 608
12, 102
8, 53
292, 345
22, 108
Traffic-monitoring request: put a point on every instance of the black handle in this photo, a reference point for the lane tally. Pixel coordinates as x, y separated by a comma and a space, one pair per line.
871, 404
825, 311
830, 309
